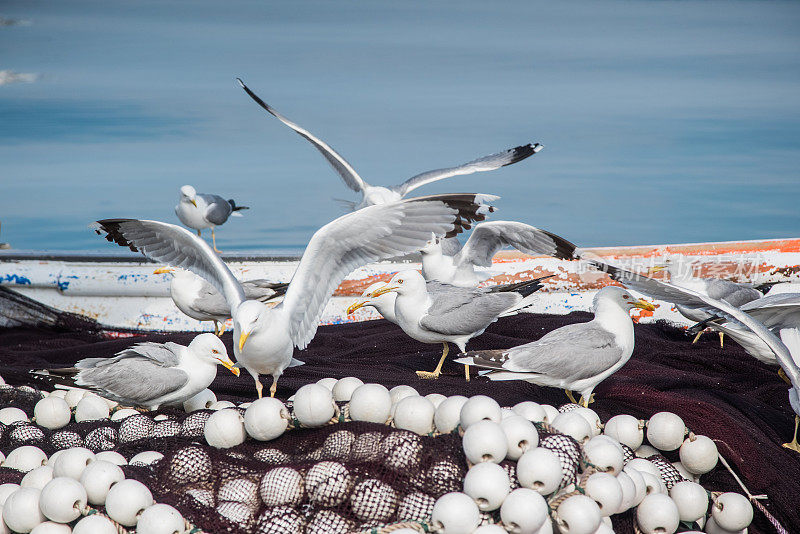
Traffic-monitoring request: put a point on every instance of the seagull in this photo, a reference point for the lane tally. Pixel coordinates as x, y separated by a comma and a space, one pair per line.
776, 312
200, 210
199, 300
152, 374
372, 194
432, 312
787, 352
264, 337
734, 293
576, 357
444, 259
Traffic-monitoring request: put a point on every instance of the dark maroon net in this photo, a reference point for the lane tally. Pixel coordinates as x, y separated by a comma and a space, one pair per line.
722, 393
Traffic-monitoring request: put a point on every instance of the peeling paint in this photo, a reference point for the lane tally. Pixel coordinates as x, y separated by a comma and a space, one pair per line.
16, 279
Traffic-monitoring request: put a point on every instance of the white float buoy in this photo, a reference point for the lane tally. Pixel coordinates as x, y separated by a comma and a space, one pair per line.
52, 413
313, 405
126, 500
628, 489
225, 429
606, 491
123, 413
221, 405
98, 477
282, 486
436, 398
74, 395
524, 511
574, 425
484, 441
699, 454
415, 414
400, 392
592, 418
532, 411
266, 419
327, 382
146, 458
657, 514
604, 455
91, 408
50, 527
457, 513
626, 429
37, 478
731, 511
21, 510
448, 413
200, 401
478, 408
371, 403
112, 457
665, 431
12, 415
160, 519
62, 499
578, 514
94, 524
521, 435
25, 458
71, 462
6, 490
691, 500
343, 389
488, 484
539, 469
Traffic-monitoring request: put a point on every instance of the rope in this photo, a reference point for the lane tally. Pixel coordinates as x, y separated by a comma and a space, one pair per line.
419, 527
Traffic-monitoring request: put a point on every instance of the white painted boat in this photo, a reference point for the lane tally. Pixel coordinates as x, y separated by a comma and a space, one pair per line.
121, 292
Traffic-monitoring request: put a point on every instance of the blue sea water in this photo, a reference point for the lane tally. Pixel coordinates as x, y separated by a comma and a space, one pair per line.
662, 121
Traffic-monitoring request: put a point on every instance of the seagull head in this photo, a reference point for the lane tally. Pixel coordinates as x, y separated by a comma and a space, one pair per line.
246, 318
210, 347
381, 302
622, 298
164, 270
433, 246
403, 283
188, 194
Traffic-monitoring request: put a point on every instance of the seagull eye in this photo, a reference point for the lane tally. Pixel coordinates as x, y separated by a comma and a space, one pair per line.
215, 351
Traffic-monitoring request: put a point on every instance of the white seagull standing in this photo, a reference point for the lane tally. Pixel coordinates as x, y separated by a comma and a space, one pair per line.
264, 337
199, 300
199, 211
373, 194
576, 357
431, 312
153, 374
446, 261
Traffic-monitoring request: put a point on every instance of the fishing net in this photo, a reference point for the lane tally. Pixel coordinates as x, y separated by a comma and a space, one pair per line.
351, 476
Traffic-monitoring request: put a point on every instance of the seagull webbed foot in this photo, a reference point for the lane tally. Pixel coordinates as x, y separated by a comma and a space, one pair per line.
584, 402
570, 396
794, 445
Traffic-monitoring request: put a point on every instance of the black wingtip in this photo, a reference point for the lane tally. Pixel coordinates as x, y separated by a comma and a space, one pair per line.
488, 359
111, 227
471, 207
241, 82
523, 152
565, 249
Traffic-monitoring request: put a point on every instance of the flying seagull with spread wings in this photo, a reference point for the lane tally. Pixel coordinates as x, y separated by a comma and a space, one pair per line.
446, 261
264, 337
373, 194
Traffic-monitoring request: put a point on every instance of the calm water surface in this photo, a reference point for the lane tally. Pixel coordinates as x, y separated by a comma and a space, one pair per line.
662, 121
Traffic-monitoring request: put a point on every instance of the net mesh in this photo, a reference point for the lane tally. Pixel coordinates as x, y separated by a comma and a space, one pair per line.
395, 475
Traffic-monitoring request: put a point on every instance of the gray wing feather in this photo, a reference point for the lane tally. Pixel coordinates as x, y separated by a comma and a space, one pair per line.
451, 246
218, 209
175, 246
210, 302
489, 237
462, 311
573, 352
732, 292
486, 163
339, 164
260, 289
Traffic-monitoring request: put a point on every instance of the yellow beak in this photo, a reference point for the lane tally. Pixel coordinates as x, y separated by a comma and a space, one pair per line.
242, 339
356, 305
193, 202
643, 304
163, 270
385, 289
229, 365
657, 268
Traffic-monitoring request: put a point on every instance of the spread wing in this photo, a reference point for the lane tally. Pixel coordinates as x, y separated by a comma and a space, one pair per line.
775, 311
371, 234
175, 246
490, 237
339, 164
263, 290
462, 311
486, 163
